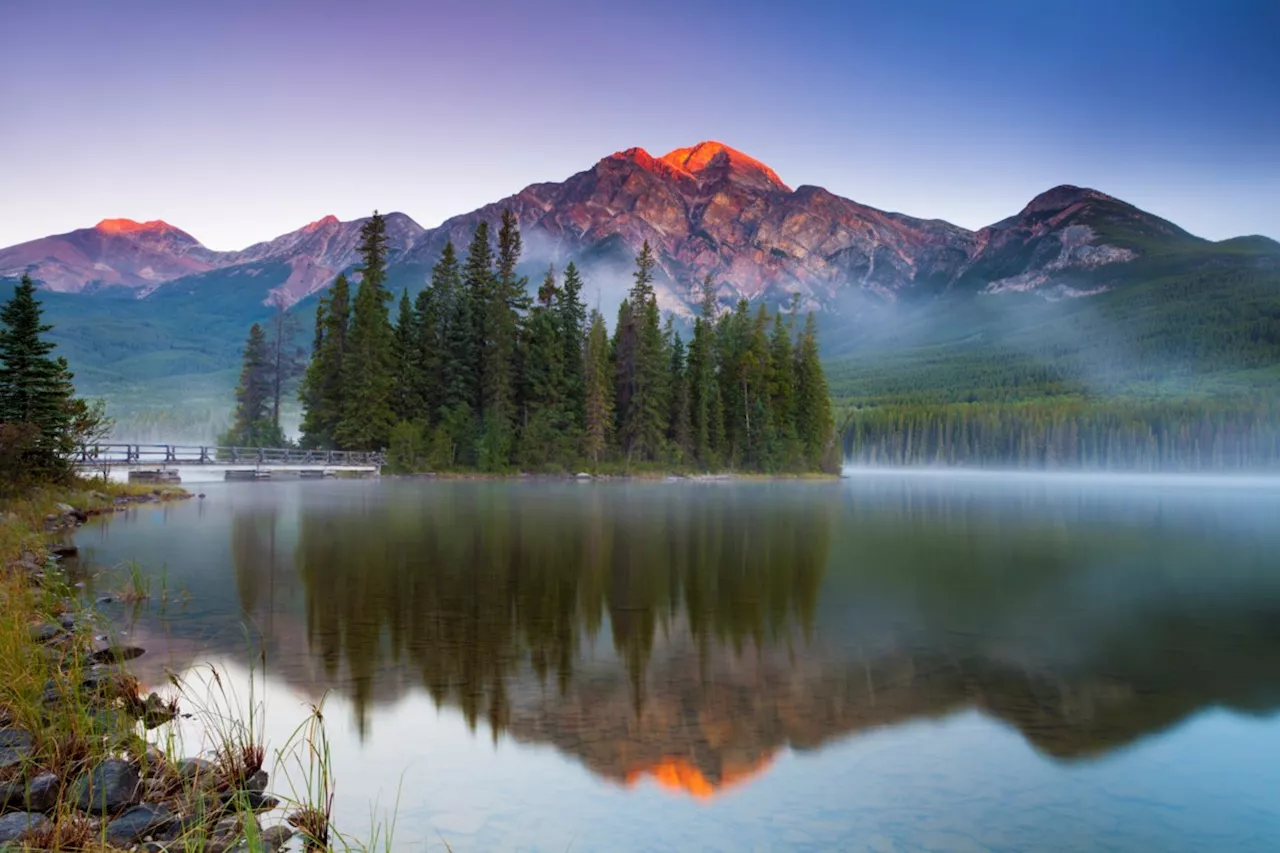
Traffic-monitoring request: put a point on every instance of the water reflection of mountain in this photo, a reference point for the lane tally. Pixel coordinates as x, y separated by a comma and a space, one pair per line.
688, 635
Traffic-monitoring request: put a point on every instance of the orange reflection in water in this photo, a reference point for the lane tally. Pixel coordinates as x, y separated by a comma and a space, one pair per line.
683, 776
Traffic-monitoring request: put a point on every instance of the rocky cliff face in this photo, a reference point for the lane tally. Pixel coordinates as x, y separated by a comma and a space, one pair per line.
706, 210
712, 210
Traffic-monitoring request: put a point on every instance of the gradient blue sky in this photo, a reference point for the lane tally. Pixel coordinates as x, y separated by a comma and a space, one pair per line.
238, 121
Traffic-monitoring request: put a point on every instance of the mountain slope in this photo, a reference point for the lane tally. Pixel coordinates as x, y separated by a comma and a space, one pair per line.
148, 256
706, 210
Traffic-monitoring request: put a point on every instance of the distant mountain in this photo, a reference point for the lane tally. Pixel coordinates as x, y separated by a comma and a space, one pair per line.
144, 256
706, 210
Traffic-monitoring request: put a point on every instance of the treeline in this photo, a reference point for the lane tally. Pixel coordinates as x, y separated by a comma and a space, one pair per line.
42, 422
474, 373
1211, 434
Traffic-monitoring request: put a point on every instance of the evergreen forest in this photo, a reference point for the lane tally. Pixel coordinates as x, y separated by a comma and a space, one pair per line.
477, 373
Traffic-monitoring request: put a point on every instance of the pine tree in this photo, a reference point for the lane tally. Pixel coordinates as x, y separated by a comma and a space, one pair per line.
782, 393
759, 414
507, 299
546, 435
406, 400
814, 424
642, 366
368, 369
598, 391
478, 286
321, 391
35, 389
573, 327
253, 424
428, 351
457, 332
680, 433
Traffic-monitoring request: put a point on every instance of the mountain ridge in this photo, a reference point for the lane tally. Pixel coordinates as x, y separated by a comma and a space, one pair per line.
706, 209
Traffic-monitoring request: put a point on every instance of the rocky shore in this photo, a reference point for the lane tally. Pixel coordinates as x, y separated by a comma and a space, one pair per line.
77, 771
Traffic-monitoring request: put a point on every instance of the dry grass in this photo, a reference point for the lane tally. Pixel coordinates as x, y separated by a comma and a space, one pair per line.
69, 831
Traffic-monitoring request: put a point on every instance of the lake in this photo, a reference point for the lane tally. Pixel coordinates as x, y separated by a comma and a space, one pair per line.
892, 662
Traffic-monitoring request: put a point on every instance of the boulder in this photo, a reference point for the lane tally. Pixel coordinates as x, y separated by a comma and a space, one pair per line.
110, 653
137, 823
106, 789
15, 747
41, 793
15, 825
276, 837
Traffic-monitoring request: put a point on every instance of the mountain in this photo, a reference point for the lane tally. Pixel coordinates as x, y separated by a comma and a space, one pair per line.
1077, 290
119, 252
706, 210
144, 256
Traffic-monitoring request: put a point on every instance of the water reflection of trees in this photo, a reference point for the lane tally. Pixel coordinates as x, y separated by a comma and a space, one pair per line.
467, 585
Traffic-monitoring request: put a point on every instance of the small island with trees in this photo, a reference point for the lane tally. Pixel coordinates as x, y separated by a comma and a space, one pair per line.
476, 374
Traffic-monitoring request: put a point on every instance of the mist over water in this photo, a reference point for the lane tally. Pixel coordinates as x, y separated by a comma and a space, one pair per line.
900, 660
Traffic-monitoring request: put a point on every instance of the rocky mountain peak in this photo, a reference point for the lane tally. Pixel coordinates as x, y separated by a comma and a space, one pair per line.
1062, 197
131, 228
322, 222
716, 158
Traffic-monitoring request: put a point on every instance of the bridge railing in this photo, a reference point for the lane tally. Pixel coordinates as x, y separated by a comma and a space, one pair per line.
100, 455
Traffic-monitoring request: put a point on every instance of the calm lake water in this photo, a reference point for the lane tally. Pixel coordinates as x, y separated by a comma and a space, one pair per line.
887, 663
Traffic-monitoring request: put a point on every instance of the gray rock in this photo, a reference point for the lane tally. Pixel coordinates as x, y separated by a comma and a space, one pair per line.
15, 825
45, 633
111, 786
117, 654
35, 795
137, 823
257, 782
15, 747
276, 837
41, 793
197, 770
189, 825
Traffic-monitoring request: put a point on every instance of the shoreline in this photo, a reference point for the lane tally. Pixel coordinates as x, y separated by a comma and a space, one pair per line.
77, 769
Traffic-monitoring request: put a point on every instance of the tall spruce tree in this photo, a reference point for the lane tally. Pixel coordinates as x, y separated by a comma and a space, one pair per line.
478, 286
428, 354
547, 434
598, 391
507, 299
642, 368
680, 431
814, 424
406, 398
573, 327
253, 424
322, 389
457, 332
35, 389
782, 394
368, 369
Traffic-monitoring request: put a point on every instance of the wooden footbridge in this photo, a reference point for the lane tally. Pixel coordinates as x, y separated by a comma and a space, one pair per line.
241, 462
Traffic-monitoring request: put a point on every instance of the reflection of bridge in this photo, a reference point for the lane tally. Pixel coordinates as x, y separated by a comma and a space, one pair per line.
178, 455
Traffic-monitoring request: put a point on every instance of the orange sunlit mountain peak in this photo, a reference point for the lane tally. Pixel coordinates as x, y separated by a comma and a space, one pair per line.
130, 226
321, 222
698, 157
681, 775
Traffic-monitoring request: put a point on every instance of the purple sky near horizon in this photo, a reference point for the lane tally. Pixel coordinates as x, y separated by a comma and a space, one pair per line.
238, 121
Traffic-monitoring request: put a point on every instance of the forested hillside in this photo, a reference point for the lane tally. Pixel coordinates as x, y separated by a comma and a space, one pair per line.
1176, 372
